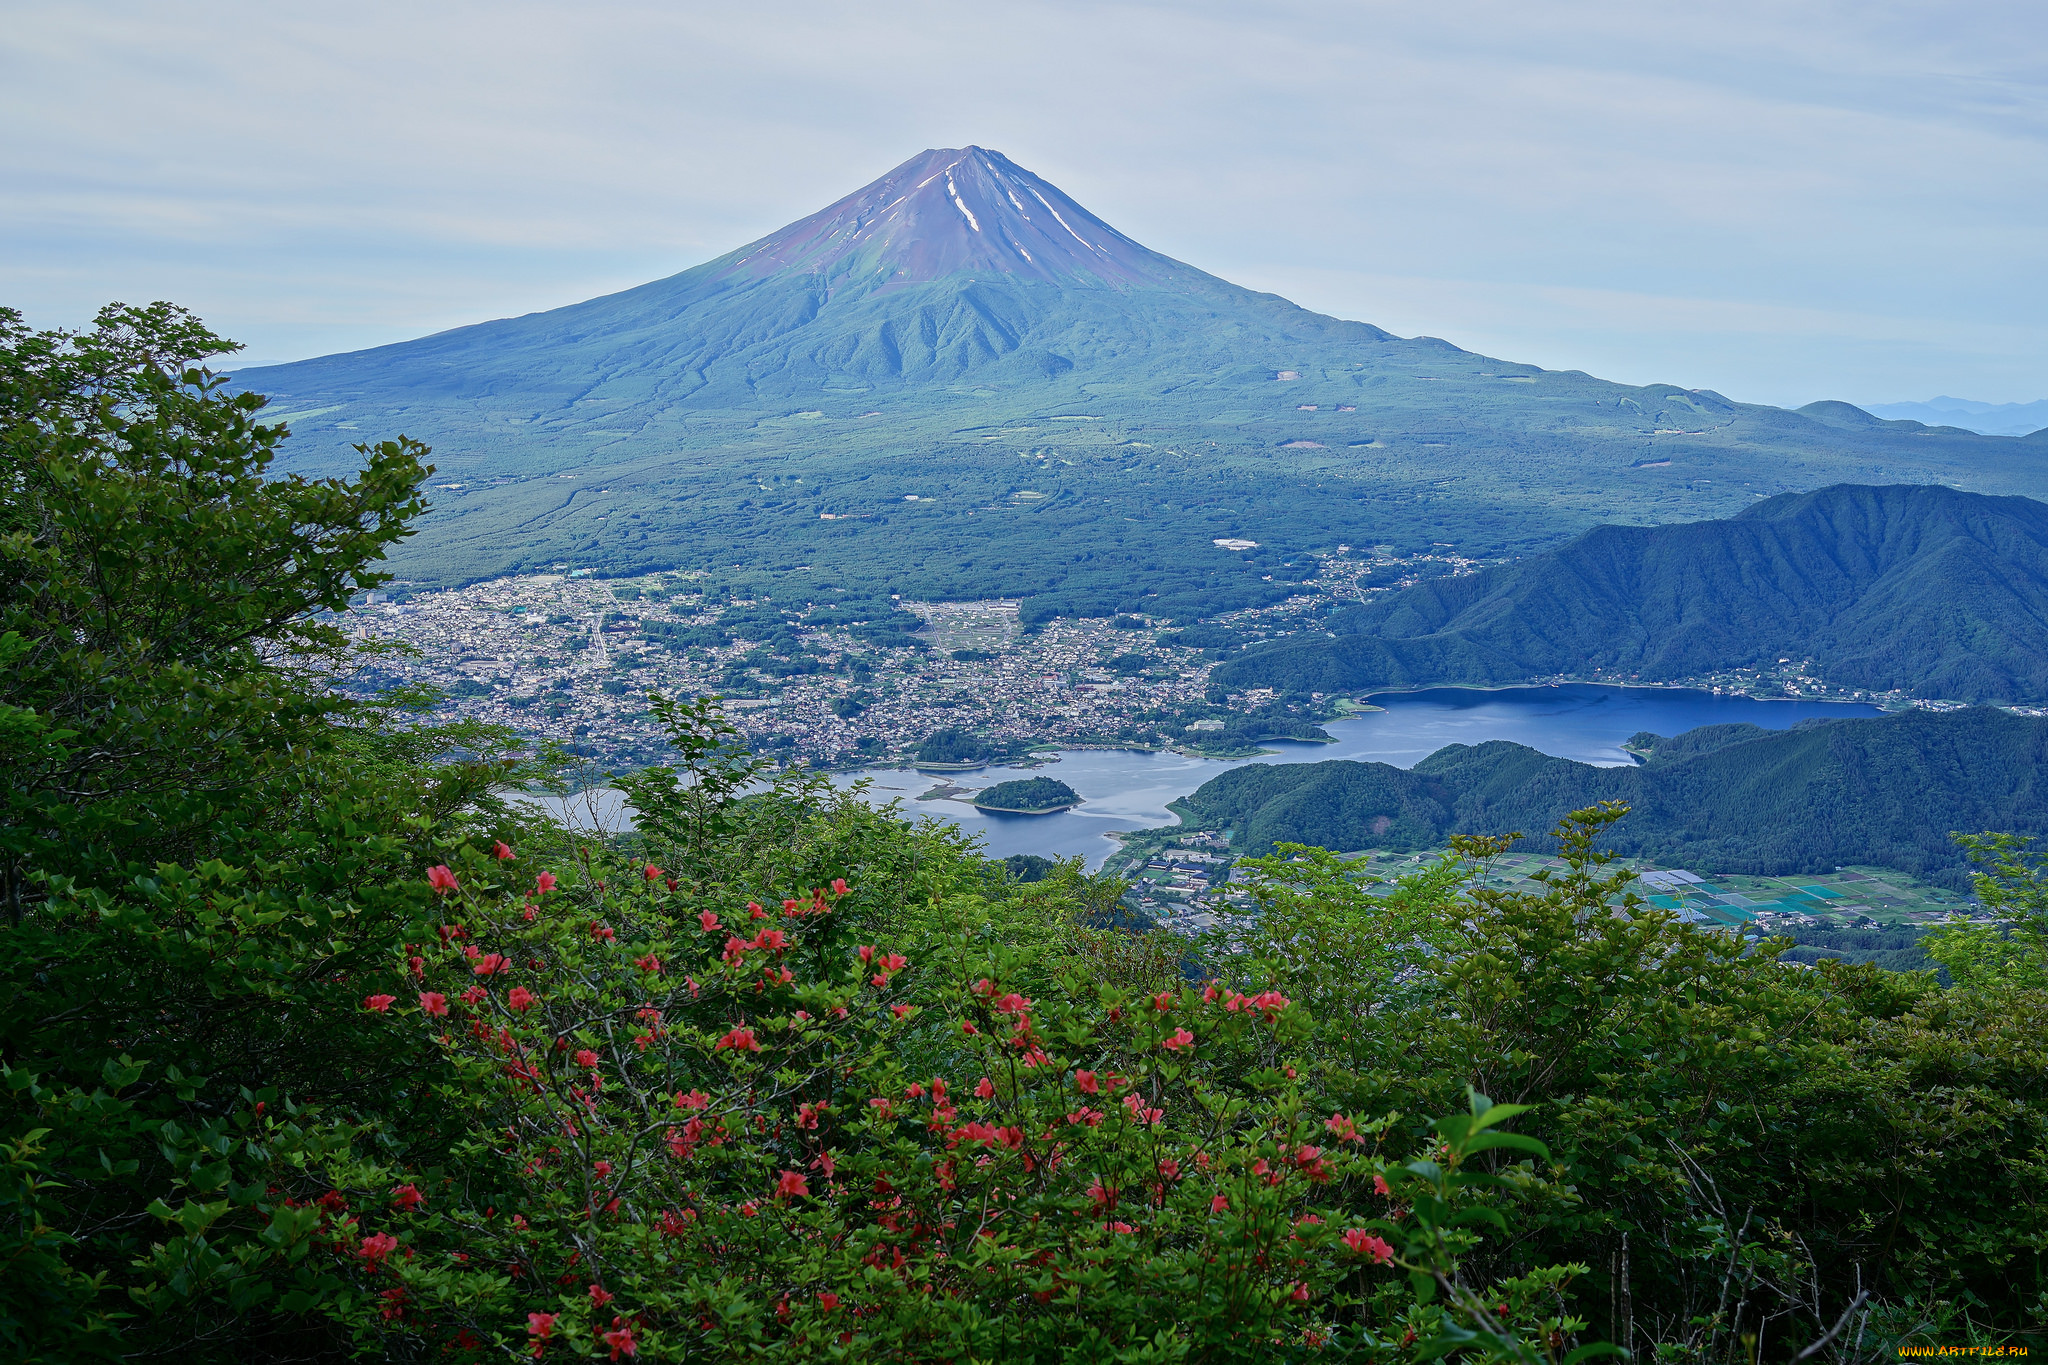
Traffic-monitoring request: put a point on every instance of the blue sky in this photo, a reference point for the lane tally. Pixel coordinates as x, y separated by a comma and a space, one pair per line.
1780, 201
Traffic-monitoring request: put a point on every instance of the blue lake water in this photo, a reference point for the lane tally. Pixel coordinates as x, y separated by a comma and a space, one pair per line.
1121, 790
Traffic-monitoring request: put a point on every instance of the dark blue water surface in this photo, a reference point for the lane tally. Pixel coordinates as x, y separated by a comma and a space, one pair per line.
1124, 791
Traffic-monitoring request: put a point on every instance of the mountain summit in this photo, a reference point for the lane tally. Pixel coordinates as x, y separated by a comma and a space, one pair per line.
954, 211
1083, 421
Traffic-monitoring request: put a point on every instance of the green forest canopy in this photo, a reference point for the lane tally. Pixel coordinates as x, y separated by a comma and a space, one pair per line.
316, 1050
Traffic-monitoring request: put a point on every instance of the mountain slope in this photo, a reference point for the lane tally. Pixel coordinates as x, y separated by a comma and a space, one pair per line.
1920, 588
1884, 791
1079, 416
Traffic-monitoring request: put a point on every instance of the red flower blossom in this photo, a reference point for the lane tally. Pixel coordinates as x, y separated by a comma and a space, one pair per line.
379, 1003
1084, 1081
377, 1247
741, 1039
1220, 1204
792, 1185
502, 851
900, 1010
541, 1325
986, 1090
984, 987
895, 962
649, 963
418, 965
1163, 1001
709, 921
772, 939
441, 879
1342, 1128
493, 964
695, 1099
1364, 1243
407, 1196
1180, 1039
1379, 1187
620, 1339
867, 952
521, 999
603, 932
544, 883
474, 995
1299, 1293
651, 872
600, 1296
828, 1300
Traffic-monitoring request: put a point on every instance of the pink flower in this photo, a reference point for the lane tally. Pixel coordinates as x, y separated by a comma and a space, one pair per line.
585, 1057
1299, 1293
1220, 1204
839, 886
603, 1169
377, 1246
1180, 1039
986, 1090
792, 1185
1163, 1001
407, 1196
867, 952
740, 1039
1379, 1187
521, 999
441, 879
493, 964
1084, 1081
649, 963
379, 1003
1364, 1243
603, 932
651, 872
433, 1002
540, 1325
708, 920
895, 962
474, 995
600, 1296
828, 1300
502, 851
544, 883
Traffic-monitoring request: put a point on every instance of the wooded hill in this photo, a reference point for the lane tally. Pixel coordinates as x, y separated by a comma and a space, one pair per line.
1924, 588
1885, 791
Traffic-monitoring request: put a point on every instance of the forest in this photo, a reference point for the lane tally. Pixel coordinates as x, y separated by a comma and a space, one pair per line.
317, 1047
1885, 791
1919, 588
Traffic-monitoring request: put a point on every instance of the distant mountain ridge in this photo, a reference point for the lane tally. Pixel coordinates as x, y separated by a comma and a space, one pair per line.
1989, 419
1885, 791
1080, 417
1928, 589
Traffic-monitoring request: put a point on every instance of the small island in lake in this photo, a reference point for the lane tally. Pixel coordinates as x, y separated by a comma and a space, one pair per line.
1027, 796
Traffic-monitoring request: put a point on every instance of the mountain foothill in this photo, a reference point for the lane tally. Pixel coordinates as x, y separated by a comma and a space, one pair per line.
958, 382
1881, 791
1924, 589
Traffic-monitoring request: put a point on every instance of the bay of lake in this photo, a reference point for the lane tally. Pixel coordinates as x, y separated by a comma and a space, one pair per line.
1124, 790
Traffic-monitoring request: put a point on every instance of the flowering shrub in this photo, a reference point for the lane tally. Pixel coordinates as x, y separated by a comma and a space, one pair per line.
709, 1131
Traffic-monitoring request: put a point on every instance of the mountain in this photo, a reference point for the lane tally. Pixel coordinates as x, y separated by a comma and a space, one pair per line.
1882, 792
1989, 419
1077, 418
1928, 589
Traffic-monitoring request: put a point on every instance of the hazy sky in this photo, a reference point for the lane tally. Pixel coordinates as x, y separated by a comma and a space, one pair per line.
1781, 201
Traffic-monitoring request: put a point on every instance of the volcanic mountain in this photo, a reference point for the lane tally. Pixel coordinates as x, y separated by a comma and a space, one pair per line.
959, 382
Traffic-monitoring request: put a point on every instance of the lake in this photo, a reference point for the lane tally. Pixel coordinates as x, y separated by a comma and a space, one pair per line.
1122, 790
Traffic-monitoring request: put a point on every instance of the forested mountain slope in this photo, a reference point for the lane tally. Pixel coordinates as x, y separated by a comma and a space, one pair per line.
1078, 416
1885, 791
1924, 588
